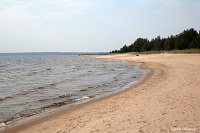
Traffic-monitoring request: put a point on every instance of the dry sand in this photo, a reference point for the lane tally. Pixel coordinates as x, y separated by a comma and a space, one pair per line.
168, 100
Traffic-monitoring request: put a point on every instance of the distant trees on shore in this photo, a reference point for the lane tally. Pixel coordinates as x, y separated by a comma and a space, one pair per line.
186, 40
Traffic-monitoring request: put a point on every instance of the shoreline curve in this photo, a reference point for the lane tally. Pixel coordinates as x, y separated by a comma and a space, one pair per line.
167, 100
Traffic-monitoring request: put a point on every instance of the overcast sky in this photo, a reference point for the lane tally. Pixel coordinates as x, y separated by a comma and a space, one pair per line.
90, 25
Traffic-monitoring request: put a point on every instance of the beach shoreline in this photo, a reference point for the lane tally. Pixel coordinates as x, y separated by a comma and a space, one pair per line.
50, 111
140, 108
19, 126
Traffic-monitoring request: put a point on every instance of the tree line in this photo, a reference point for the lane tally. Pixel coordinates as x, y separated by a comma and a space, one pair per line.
186, 40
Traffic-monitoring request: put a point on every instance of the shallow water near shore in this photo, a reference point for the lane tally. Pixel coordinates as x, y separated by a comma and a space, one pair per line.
30, 85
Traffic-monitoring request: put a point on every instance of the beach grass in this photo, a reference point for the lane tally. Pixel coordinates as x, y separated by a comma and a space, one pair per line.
186, 51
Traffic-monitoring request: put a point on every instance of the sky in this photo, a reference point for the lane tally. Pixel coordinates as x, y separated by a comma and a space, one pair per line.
90, 25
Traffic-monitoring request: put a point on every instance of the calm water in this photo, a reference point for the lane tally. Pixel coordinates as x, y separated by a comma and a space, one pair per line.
30, 85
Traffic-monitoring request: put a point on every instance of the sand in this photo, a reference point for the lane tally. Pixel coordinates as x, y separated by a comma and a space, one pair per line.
168, 100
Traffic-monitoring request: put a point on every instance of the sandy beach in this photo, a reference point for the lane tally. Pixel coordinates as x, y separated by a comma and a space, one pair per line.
167, 100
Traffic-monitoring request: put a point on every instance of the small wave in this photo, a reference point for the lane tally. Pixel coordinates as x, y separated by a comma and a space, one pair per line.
19, 116
48, 69
34, 72
59, 103
68, 95
84, 90
95, 86
3, 65
56, 98
28, 113
30, 91
23, 93
92, 96
98, 86
53, 84
91, 87
2, 124
5, 98
82, 98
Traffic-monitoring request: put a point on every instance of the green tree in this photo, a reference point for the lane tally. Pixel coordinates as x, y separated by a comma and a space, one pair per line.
146, 46
184, 39
187, 39
124, 49
138, 45
169, 43
195, 43
158, 44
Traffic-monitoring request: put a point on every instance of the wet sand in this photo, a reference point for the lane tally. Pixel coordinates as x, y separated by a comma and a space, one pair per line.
168, 100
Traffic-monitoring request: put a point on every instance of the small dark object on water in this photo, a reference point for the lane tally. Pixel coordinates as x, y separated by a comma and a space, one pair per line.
137, 54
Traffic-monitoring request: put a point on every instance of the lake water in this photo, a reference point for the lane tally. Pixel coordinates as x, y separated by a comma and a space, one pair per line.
30, 85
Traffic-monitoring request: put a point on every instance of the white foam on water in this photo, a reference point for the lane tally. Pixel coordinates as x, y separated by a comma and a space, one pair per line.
84, 97
2, 124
